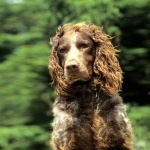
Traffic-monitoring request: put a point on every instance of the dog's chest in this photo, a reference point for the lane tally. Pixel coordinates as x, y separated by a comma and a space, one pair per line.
71, 119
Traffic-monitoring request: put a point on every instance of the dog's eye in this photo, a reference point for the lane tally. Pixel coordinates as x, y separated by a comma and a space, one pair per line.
84, 45
62, 50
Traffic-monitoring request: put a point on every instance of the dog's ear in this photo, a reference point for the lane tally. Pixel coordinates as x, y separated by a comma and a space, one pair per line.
107, 71
56, 71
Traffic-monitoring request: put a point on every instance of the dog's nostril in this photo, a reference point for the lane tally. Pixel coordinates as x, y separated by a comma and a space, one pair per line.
72, 67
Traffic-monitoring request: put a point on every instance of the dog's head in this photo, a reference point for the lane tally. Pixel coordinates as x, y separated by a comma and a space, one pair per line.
83, 52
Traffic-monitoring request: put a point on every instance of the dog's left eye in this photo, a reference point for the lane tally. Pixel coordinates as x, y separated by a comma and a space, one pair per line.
84, 45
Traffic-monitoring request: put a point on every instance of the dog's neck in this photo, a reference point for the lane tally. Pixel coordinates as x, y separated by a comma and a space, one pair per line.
85, 91
87, 97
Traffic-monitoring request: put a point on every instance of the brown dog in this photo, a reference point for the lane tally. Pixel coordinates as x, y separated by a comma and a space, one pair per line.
88, 113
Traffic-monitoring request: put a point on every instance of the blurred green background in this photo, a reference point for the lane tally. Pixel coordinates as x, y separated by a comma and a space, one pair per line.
26, 96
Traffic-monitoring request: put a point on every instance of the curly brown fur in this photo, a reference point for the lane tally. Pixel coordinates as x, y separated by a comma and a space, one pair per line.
88, 113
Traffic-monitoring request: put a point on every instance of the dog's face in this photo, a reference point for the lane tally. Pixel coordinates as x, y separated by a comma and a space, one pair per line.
83, 52
76, 55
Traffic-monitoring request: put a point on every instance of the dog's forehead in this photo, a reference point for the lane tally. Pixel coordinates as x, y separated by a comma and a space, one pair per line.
83, 36
74, 36
67, 37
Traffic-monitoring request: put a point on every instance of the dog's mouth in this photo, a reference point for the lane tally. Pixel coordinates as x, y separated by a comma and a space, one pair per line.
73, 79
80, 75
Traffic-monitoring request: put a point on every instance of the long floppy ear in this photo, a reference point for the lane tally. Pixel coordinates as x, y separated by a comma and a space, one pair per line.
107, 71
56, 71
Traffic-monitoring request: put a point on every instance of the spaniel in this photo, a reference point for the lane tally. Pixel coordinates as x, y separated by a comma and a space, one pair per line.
88, 113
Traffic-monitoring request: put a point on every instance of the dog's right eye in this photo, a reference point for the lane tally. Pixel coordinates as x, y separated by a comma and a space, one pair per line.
62, 50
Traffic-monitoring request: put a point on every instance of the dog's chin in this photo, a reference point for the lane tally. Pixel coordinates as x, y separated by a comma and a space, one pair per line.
80, 78
79, 81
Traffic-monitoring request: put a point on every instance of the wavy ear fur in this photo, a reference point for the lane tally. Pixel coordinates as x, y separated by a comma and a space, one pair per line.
107, 72
56, 71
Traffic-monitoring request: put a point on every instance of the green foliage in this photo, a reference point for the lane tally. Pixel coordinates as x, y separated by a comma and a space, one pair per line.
141, 125
22, 137
26, 96
21, 74
135, 46
103, 13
